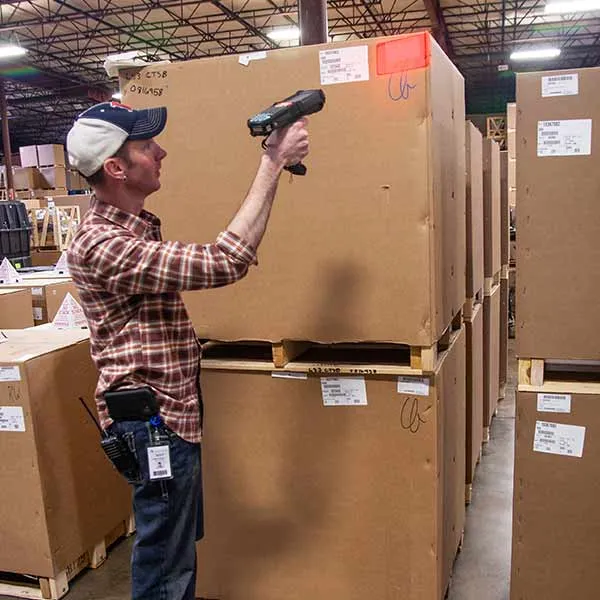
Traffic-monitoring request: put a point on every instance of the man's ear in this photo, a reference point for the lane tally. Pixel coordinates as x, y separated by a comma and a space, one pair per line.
115, 167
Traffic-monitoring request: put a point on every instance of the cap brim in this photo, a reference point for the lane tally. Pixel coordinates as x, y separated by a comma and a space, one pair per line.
150, 122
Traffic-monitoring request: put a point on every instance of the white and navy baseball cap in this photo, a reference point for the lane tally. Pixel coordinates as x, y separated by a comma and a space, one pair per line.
101, 130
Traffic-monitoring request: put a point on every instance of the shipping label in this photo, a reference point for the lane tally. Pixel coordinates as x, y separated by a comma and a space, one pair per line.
344, 65
560, 85
12, 418
417, 386
344, 391
571, 137
10, 374
557, 438
556, 403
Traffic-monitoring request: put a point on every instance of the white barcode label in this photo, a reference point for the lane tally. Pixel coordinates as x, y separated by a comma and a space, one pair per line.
344, 65
344, 391
288, 375
564, 138
10, 374
12, 418
560, 85
556, 403
417, 386
556, 438
38, 313
37, 291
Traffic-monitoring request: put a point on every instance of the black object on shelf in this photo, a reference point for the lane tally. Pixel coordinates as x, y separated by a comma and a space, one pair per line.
15, 234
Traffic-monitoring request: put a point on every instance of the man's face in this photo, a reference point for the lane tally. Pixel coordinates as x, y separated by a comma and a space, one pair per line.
144, 161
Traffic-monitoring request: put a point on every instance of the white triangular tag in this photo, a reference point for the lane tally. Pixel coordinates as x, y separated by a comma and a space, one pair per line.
70, 315
62, 266
8, 274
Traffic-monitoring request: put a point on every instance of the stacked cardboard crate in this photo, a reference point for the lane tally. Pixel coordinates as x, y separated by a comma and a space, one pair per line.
556, 521
505, 269
473, 310
62, 503
367, 250
492, 270
511, 119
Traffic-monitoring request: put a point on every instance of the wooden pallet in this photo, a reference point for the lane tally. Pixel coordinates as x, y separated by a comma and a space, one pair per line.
561, 376
342, 358
490, 283
62, 221
471, 304
48, 588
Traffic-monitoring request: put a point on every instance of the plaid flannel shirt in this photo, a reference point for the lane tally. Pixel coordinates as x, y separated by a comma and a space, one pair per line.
129, 281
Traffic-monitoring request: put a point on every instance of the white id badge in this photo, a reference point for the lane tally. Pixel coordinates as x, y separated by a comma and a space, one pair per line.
159, 462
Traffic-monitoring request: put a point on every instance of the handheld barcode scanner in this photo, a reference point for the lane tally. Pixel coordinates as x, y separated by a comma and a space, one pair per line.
285, 112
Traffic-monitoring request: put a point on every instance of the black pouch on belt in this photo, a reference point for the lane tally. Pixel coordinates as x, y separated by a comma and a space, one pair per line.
131, 404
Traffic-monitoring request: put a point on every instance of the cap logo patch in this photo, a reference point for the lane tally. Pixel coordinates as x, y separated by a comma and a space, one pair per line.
119, 105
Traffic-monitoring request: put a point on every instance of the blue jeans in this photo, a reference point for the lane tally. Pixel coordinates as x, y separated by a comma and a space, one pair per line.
168, 519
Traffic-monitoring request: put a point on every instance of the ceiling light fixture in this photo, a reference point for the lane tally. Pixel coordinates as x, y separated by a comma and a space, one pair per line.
284, 34
538, 54
572, 6
11, 51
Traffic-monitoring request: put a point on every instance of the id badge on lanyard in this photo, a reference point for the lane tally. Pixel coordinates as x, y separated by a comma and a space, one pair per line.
159, 454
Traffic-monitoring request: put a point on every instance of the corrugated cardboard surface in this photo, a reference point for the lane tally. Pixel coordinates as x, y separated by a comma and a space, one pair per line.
491, 207
42, 258
504, 211
28, 156
556, 522
60, 494
558, 226
474, 209
15, 309
511, 116
51, 155
475, 395
356, 249
46, 295
54, 177
331, 503
491, 354
504, 289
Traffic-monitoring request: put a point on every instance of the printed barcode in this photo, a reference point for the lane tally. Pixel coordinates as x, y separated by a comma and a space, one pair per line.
551, 142
553, 132
331, 61
560, 78
161, 473
554, 397
332, 386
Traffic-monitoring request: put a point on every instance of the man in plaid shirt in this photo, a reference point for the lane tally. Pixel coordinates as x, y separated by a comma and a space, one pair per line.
129, 282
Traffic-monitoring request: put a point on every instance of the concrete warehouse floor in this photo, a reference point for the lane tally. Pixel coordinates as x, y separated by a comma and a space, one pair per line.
482, 569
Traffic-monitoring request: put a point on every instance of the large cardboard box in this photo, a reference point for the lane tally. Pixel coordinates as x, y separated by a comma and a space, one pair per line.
558, 223
54, 177
491, 355
46, 295
81, 200
26, 178
556, 522
51, 155
503, 353
44, 258
475, 392
474, 209
15, 309
60, 495
504, 211
331, 502
28, 156
370, 245
492, 212
511, 116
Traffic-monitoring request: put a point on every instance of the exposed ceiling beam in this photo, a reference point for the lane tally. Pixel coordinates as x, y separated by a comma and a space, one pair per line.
438, 23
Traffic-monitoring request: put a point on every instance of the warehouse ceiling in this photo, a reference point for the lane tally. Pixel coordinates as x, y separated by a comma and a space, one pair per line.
68, 41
